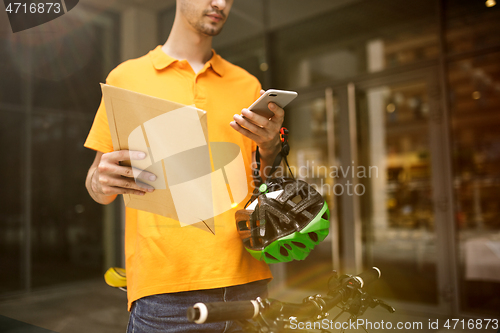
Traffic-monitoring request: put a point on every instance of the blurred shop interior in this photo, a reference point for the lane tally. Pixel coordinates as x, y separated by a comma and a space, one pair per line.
404, 93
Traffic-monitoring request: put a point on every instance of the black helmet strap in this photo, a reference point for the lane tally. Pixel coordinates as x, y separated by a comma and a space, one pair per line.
285, 149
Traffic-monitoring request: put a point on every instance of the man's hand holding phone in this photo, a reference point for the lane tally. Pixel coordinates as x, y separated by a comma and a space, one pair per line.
263, 125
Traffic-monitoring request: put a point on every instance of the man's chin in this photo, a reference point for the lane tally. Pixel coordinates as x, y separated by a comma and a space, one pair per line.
211, 32
211, 29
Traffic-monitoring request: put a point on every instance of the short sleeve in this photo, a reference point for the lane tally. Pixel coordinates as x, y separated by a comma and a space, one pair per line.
99, 137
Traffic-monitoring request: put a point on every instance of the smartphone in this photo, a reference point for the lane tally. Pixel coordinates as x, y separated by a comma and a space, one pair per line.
280, 97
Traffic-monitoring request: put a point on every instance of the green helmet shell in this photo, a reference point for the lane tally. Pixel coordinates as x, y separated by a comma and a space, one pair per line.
296, 246
285, 228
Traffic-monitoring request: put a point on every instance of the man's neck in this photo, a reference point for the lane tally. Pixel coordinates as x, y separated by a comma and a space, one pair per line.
186, 43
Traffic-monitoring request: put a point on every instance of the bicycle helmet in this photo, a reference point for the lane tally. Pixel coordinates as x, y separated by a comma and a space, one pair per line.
285, 221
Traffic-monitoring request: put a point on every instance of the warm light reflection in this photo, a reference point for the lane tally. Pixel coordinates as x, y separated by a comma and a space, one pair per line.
476, 95
234, 205
490, 3
391, 108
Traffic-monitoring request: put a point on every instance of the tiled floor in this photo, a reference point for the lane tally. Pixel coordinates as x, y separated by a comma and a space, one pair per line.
87, 307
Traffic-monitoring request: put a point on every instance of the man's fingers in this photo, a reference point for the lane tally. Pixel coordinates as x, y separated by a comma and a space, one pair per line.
132, 172
254, 118
244, 132
279, 113
250, 125
137, 155
278, 117
111, 190
123, 155
133, 192
144, 186
124, 183
143, 175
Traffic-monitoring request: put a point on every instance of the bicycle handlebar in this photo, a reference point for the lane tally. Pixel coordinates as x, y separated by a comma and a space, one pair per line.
241, 310
369, 276
222, 311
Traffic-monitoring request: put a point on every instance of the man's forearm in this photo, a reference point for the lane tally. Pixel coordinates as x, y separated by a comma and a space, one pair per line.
267, 157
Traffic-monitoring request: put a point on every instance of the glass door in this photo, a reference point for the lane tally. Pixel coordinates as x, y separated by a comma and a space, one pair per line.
475, 88
399, 214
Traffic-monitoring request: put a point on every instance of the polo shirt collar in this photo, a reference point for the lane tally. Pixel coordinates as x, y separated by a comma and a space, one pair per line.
161, 60
217, 64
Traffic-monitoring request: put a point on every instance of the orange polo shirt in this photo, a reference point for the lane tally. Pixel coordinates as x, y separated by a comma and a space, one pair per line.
161, 256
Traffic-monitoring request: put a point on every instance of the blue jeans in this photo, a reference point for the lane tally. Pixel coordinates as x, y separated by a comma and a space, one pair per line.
167, 312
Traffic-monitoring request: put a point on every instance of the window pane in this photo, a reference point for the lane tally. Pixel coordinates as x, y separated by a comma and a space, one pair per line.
10, 84
398, 209
366, 37
249, 55
67, 224
471, 25
475, 101
66, 64
11, 207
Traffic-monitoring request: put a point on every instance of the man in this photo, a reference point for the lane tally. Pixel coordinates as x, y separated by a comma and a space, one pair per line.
170, 268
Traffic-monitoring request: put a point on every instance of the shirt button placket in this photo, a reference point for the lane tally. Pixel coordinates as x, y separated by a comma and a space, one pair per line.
198, 90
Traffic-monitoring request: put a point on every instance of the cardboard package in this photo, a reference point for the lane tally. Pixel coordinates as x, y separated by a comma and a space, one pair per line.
196, 179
